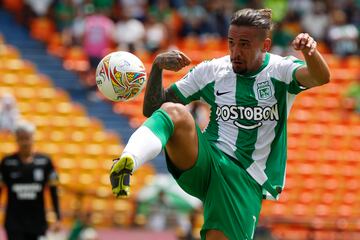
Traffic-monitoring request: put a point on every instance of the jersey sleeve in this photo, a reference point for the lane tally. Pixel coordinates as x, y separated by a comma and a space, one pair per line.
2, 172
287, 69
52, 176
188, 88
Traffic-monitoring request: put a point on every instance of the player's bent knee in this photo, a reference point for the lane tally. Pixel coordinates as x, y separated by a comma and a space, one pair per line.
213, 234
178, 114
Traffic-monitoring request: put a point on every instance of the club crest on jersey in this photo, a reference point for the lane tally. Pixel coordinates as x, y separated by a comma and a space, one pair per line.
264, 90
38, 175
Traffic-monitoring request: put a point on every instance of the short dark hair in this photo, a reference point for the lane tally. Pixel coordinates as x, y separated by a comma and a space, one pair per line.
258, 18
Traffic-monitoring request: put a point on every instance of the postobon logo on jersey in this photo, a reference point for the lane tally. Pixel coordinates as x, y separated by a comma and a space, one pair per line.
259, 114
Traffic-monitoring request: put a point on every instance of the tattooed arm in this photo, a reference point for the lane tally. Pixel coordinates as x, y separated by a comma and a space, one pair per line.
155, 94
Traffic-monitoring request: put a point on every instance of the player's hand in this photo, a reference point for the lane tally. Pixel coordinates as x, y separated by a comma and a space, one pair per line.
305, 43
56, 226
173, 60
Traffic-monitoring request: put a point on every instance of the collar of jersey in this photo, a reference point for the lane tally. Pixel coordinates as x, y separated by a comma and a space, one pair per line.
263, 65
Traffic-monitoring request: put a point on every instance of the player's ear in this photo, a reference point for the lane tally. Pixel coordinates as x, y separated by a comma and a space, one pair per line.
266, 45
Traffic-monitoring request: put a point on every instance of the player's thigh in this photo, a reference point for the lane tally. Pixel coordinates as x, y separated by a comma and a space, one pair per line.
182, 147
195, 180
233, 201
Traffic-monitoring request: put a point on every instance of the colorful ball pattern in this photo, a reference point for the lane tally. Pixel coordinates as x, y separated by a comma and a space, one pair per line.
120, 76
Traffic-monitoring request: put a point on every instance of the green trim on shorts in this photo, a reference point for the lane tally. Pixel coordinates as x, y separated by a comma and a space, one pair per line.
231, 197
161, 125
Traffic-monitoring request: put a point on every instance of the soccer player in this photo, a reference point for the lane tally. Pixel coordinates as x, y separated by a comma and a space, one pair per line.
25, 174
240, 158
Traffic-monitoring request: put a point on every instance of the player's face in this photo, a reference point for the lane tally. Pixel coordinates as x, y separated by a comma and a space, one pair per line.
24, 140
246, 46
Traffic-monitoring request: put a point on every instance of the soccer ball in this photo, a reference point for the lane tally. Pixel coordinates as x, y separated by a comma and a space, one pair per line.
120, 76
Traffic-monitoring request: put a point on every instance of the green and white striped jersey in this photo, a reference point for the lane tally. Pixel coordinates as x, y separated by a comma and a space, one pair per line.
248, 113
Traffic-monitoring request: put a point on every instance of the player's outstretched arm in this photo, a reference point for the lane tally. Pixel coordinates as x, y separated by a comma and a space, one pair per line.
155, 95
56, 206
316, 72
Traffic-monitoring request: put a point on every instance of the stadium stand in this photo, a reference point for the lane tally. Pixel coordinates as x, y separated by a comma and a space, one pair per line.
79, 144
73, 59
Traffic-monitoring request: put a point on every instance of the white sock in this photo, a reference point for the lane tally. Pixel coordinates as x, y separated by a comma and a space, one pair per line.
143, 145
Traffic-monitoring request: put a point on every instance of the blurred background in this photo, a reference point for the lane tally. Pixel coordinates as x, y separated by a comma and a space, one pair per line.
50, 48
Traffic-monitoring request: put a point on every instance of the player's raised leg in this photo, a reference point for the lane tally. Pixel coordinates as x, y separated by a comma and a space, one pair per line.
171, 126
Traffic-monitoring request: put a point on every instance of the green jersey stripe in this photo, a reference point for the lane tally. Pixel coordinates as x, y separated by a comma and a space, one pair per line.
212, 130
179, 94
294, 86
246, 138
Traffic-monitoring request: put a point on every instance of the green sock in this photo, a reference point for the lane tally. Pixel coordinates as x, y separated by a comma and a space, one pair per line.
161, 125
149, 139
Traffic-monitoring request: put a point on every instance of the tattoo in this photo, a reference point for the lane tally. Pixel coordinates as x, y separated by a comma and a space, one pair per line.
154, 93
170, 96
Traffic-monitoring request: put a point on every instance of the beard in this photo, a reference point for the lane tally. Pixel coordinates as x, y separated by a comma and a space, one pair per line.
239, 70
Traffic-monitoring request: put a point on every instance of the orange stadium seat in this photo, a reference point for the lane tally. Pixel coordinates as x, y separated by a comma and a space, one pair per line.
331, 90
144, 56
42, 28
323, 48
76, 59
17, 66
36, 81
332, 60
10, 80
13, 5
352, 62
56, 46
8, 52
188, 43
